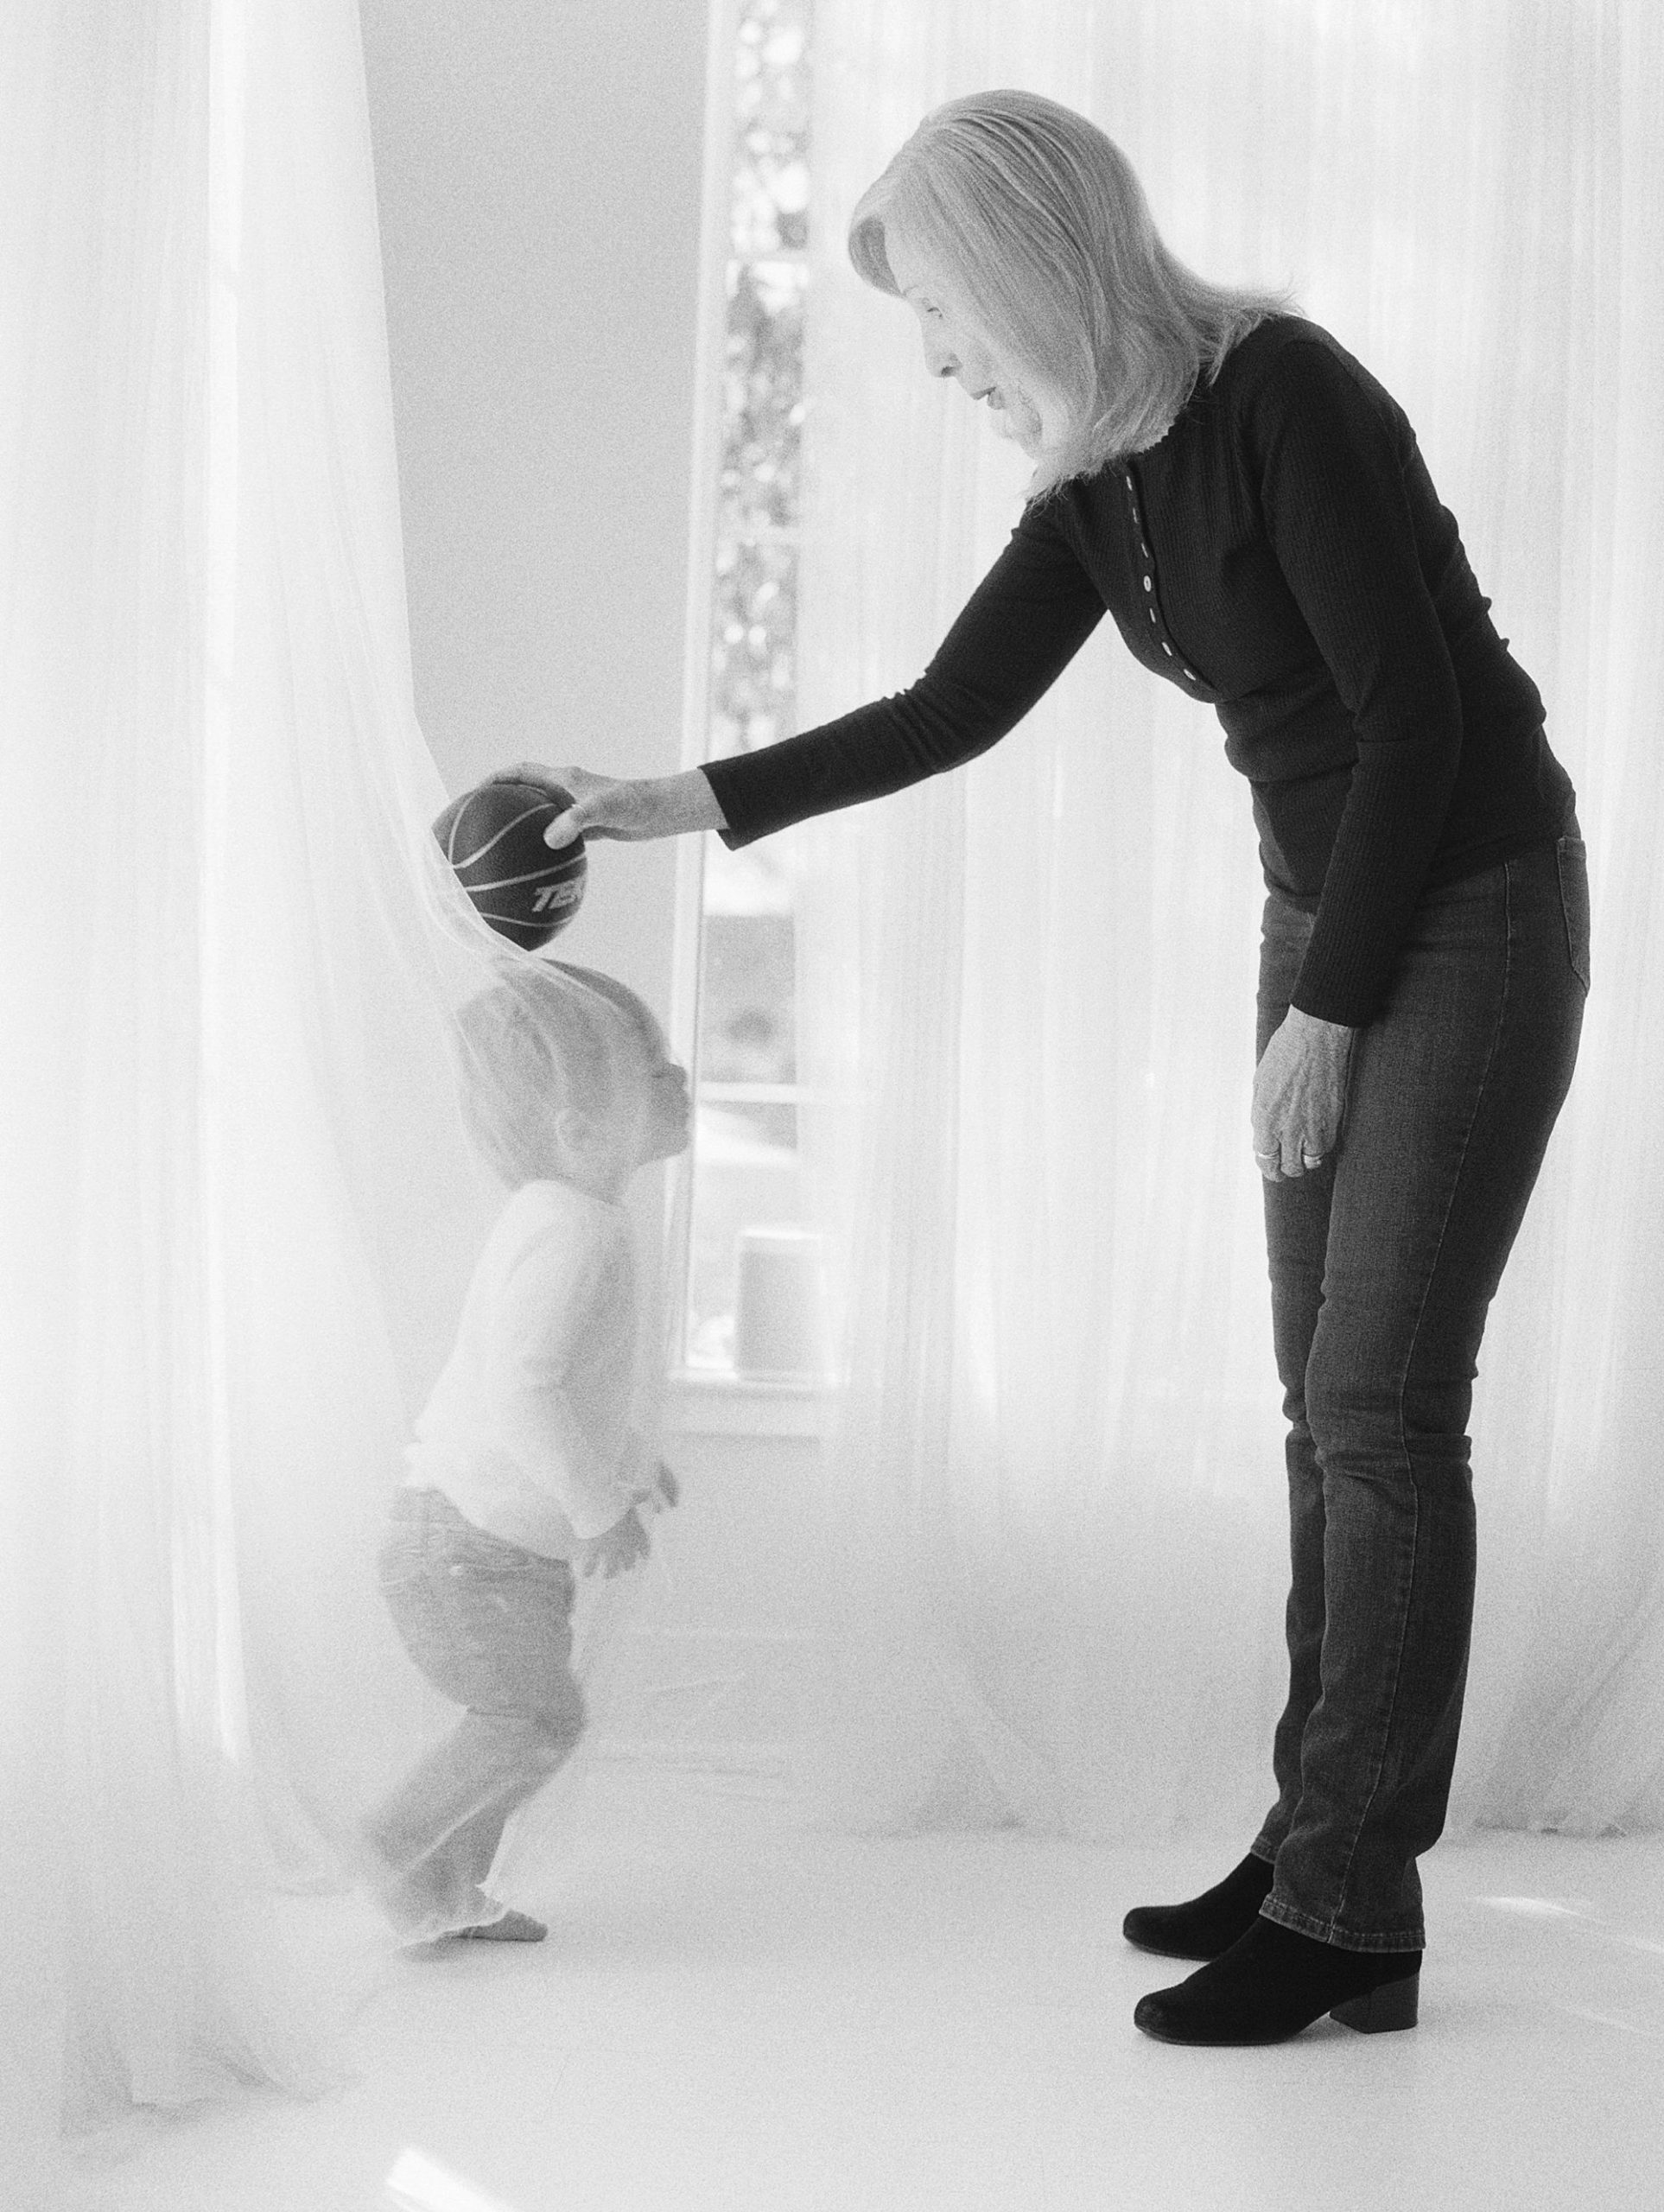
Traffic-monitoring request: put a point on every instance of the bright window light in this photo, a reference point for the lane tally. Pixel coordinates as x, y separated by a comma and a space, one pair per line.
746, 1186
419, 2183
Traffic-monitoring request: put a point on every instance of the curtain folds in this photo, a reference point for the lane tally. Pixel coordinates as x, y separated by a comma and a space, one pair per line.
239, 1205
1055, 1525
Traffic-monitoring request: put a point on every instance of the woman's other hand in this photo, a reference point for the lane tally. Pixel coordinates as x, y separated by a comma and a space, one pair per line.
607, 806
1299, 1096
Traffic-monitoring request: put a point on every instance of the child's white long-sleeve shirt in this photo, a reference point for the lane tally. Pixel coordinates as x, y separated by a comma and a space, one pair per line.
527, 1430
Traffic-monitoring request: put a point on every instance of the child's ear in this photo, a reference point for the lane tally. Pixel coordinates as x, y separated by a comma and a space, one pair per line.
574, 1132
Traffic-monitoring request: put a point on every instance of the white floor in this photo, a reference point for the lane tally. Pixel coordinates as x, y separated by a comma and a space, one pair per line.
731, 2014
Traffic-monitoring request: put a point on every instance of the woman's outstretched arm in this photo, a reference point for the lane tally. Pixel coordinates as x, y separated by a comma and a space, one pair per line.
1022, 626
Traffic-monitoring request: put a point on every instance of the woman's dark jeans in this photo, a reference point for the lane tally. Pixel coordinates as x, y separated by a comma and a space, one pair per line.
1383, 1264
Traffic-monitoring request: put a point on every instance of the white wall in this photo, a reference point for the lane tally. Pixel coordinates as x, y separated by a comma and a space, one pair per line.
538, 168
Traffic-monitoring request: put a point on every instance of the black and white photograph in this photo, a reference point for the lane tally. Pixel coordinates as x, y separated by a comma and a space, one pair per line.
823, 1389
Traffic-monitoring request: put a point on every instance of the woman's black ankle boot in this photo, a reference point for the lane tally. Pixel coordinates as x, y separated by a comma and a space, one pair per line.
1206, 1925
1273, 1983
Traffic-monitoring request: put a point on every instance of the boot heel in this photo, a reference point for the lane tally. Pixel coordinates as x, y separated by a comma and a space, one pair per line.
1393, 2005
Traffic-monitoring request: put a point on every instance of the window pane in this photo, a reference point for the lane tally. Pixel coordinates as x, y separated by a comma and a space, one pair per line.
745, 1173
770, 167
762, 408
746, 1176
746, 1017
753, 647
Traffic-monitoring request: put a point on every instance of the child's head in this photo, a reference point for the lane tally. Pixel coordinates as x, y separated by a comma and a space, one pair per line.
564, 1074
653, 1082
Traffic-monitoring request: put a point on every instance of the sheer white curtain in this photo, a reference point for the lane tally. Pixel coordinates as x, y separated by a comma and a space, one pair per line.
1055, 1528
239, 1207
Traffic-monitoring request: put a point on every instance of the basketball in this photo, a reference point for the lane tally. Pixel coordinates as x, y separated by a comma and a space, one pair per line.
493, 837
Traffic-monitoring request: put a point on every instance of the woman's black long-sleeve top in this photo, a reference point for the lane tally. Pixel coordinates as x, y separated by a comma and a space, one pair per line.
1281, 554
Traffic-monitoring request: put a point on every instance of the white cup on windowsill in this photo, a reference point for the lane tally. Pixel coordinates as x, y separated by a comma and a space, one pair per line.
780, 1331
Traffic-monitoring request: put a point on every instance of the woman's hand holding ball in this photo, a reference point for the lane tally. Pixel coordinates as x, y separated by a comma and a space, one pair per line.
609, 806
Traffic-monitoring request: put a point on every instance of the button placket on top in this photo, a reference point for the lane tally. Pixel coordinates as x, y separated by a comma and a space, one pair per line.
1152, 604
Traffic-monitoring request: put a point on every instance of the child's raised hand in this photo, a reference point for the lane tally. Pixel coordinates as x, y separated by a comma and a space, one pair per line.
617, 1549
663, 1492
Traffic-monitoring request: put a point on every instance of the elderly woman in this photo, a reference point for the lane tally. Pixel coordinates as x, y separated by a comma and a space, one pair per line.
1250, 506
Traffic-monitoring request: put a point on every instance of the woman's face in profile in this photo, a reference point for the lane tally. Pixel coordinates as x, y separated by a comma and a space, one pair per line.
955, 347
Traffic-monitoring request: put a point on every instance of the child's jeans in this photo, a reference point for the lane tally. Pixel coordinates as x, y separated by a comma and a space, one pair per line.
491, 1627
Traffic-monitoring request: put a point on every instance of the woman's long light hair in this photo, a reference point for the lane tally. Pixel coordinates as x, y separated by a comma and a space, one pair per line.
1042, 220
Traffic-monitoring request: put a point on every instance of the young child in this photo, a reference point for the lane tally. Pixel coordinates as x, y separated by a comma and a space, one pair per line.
524, 1470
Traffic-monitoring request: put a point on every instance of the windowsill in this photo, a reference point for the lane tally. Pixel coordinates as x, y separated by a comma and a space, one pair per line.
711, 1402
